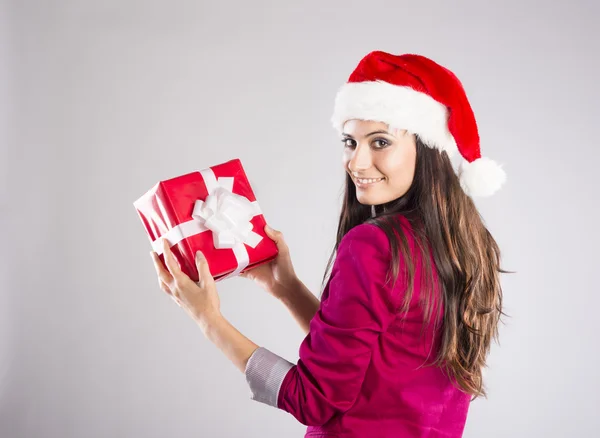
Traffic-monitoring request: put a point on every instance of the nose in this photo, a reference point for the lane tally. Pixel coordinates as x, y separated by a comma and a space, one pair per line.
360, 158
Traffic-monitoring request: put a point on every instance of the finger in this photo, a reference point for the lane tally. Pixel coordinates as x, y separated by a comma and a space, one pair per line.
172, 293
205, 277
163, 275
164, 287
171, 261
177, 300
277, 237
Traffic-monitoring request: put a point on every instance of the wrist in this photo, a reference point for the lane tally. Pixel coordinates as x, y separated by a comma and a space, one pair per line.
209, 320
283, 290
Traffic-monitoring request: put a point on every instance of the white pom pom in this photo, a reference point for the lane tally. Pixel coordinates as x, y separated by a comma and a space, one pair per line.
482, 177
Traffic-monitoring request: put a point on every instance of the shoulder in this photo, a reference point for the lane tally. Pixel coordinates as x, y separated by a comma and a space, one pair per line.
369, 236
364, 246
366, 234
364, 264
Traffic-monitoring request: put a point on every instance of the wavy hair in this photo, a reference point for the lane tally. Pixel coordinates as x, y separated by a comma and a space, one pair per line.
448, 231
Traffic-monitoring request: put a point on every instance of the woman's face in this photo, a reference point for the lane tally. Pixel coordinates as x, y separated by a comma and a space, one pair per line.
386, 158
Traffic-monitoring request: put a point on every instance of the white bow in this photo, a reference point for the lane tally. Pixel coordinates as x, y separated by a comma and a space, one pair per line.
228, 216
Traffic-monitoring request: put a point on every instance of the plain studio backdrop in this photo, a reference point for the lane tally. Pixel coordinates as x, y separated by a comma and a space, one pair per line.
99, 100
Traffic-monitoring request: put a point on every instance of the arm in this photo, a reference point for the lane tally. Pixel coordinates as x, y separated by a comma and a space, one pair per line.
229, 340
336, 353
298, 299
301, 303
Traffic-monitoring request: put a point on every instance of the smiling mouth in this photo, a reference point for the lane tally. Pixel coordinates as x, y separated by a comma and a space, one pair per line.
361, 182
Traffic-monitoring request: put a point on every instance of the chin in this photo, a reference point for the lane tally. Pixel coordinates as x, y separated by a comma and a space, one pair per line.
366, 200
374, 200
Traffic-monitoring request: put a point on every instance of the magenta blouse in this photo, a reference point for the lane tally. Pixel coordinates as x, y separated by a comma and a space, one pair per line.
359, 372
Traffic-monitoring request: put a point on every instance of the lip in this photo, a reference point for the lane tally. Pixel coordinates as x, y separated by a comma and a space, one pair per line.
363, 185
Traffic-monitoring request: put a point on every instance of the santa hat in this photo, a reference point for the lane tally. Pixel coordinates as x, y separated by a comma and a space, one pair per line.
414, 93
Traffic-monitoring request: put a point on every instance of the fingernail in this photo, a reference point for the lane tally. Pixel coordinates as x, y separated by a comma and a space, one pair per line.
199, 255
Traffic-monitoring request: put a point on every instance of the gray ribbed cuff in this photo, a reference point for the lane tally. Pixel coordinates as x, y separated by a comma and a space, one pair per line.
265, 372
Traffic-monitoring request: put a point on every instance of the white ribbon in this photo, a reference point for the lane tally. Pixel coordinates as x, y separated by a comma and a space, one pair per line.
226, 214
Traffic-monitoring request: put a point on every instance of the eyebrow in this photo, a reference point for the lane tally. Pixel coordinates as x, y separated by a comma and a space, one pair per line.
368, 135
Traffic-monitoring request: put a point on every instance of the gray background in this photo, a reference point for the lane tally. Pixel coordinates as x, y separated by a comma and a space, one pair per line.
100, 100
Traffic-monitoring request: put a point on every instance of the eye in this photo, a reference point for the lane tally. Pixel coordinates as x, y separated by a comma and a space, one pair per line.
345, 141
380, 141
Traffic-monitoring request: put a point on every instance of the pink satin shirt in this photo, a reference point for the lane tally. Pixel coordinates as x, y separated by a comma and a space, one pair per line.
360, 371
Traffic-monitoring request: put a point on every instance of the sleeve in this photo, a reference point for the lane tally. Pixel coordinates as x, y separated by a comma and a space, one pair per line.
334, 356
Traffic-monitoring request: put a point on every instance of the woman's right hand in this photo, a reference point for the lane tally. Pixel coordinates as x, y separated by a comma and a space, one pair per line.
277, 276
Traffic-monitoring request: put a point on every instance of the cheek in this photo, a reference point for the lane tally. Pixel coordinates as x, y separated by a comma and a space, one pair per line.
346, 156
400, 167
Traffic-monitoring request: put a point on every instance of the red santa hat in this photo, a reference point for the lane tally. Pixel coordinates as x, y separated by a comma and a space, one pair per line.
414, 93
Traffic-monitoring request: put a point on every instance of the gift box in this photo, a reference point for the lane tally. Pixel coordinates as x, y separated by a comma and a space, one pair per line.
212, 210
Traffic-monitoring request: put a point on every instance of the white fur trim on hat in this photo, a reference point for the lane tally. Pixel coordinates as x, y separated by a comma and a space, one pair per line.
398, 106
482, 177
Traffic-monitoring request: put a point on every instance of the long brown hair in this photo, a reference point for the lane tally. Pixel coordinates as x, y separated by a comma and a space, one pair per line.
448, 230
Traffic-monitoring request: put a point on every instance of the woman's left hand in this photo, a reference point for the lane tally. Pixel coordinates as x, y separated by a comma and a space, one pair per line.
201, 301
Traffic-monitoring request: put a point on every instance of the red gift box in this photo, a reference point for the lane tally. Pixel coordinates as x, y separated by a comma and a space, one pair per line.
213, 210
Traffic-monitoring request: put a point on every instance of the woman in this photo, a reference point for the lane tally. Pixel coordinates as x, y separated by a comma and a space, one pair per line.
397, 344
